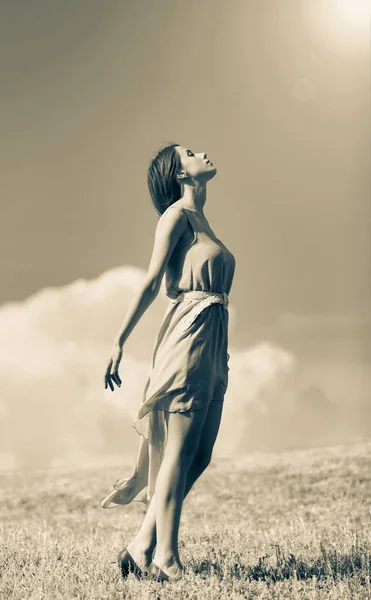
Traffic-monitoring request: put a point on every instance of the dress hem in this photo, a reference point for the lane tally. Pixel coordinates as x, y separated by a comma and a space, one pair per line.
144, 499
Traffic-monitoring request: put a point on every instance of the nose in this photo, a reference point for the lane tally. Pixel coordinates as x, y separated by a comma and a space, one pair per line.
203, 154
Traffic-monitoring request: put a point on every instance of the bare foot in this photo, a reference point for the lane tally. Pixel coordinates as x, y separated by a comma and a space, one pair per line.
129, 484
143, 558
173, 568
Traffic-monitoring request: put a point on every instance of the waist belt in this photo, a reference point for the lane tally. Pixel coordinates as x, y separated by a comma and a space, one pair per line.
201, 300
203, 295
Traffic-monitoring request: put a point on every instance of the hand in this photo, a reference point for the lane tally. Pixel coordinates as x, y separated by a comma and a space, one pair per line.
112, 373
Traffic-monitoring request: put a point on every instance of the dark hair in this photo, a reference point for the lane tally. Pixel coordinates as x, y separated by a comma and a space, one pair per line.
162, 182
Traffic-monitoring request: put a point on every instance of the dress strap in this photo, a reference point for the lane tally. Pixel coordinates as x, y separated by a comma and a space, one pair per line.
190, 220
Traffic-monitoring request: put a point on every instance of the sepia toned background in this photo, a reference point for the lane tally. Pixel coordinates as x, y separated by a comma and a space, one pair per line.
278, 95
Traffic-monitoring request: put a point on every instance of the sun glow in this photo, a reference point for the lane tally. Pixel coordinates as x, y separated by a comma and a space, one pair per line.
356, 12
343, 22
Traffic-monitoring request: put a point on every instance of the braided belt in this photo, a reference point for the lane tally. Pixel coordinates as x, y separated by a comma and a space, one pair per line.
204, 299
200, 295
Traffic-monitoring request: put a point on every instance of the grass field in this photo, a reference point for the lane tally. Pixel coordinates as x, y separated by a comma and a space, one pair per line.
289, 525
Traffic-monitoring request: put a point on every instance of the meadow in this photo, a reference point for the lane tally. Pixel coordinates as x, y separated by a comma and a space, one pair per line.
296, 524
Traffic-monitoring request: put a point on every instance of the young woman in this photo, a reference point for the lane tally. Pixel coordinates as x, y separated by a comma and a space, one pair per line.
183, 399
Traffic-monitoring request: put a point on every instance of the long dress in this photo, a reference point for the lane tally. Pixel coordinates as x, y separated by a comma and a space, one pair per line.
189, 367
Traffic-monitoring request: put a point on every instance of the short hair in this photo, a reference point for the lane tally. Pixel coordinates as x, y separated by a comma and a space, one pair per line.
162, 181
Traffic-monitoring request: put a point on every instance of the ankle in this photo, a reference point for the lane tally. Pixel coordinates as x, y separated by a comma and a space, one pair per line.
141, 547
167, 561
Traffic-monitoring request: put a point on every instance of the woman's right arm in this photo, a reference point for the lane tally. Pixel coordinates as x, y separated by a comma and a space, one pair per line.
170, 227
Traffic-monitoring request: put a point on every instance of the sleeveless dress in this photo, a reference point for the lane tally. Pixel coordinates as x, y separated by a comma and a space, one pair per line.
189, 367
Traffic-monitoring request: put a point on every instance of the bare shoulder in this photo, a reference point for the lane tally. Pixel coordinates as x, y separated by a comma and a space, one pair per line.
173, 210
170, 228
173, 218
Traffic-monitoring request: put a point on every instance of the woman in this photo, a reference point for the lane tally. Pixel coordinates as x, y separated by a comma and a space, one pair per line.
183, 399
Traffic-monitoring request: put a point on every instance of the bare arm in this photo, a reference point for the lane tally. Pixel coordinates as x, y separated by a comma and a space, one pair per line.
170, 228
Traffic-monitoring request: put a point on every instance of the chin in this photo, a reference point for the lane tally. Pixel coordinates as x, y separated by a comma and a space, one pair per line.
207, 175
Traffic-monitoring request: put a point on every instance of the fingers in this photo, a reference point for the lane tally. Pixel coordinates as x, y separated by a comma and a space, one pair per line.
107, 377
112, 377
116, 378
109, 382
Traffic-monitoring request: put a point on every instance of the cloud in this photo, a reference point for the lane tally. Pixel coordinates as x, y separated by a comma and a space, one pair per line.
54, 349
267, 407
330, 324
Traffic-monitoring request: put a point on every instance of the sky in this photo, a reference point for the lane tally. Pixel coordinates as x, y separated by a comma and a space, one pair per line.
276, 93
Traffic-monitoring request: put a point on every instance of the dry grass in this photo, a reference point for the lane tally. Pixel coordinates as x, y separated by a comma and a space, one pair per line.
289, 525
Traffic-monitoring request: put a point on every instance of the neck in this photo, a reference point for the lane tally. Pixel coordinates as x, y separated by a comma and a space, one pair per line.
194, 196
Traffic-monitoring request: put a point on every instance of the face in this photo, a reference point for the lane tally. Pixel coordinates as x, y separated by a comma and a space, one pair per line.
196, 166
